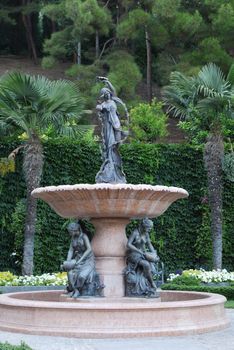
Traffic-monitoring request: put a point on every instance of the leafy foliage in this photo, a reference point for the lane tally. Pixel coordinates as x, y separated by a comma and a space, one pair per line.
86, 76
124, 77
210, 50
227, 291
228, 166
34, 103
48, 62
148, 121
186, 280
7, 346
6, 165
188, 33
205, 99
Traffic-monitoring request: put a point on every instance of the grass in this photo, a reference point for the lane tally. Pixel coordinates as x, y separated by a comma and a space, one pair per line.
229, 304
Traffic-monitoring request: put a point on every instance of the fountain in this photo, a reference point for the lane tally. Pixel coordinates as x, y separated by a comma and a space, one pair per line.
110, 204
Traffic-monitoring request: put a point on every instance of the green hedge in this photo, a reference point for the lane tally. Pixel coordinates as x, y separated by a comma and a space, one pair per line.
182, 235
227, 291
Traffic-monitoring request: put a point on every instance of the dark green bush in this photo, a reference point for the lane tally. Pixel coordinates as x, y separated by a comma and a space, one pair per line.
186, 280
7, 346
227, 291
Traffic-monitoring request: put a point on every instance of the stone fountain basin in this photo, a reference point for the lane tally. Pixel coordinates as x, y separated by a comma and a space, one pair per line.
108, 200
50, 313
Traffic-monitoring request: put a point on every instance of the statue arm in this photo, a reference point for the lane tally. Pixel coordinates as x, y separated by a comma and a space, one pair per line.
108, 84
130, 244
70, 253
99, 107
118, 100
151, 248
88, 249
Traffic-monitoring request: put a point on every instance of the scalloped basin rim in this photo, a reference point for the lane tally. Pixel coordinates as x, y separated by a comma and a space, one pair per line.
109, 200
109, 186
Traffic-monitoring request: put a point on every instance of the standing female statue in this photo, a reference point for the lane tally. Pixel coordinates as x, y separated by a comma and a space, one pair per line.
80, 264
141, 259
112, 135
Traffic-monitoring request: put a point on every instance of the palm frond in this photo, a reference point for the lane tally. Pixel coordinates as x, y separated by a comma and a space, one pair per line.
212, 81
230, 76
36, 103
180, 95
21, 86
213, 104
73, 131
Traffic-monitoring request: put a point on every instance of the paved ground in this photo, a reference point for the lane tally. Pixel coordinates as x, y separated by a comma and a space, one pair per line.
222, 340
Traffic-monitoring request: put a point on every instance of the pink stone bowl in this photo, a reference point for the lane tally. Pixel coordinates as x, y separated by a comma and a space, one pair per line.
108, 200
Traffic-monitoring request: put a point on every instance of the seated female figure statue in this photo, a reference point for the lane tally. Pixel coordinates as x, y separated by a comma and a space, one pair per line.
141, 259
80, 265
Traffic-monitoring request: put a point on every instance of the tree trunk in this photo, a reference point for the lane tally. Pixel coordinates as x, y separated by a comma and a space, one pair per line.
149, 65
32, 165
53, 25
213, 155
97, 46
28, 28
79, 52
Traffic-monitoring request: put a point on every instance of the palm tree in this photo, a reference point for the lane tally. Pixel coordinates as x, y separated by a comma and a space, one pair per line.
31, 105
206, 100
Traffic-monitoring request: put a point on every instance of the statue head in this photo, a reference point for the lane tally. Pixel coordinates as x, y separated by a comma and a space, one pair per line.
74, 228
146, 224
106, 94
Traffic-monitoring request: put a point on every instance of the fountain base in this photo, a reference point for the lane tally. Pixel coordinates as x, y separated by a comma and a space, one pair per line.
49, 313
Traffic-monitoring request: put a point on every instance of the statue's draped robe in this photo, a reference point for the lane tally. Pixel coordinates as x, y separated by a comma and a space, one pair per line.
112, 135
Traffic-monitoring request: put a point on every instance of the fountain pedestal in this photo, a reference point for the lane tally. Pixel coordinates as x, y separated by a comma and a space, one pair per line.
109, 247
110, 207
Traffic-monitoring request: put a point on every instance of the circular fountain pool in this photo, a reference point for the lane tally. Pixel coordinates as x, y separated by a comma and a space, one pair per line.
50, 313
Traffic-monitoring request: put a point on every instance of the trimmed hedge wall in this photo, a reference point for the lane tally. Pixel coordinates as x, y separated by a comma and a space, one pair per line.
227, 291
182, 235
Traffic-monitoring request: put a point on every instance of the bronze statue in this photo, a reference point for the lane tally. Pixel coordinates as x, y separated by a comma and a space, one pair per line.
112, 135
83, 279
141, 262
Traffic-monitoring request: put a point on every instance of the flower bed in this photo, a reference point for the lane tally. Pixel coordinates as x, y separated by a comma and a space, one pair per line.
215, 276
216, 281
47, 279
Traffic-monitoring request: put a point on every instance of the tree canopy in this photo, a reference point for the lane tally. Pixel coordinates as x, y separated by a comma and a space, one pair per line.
163, 35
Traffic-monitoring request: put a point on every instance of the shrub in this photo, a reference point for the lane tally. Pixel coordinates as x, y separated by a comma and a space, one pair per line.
86, 76
57, 45
210, 50
6, 166
148, 121
6, 277
124, 73
48, 62
186, 280
7, 346
227, 291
